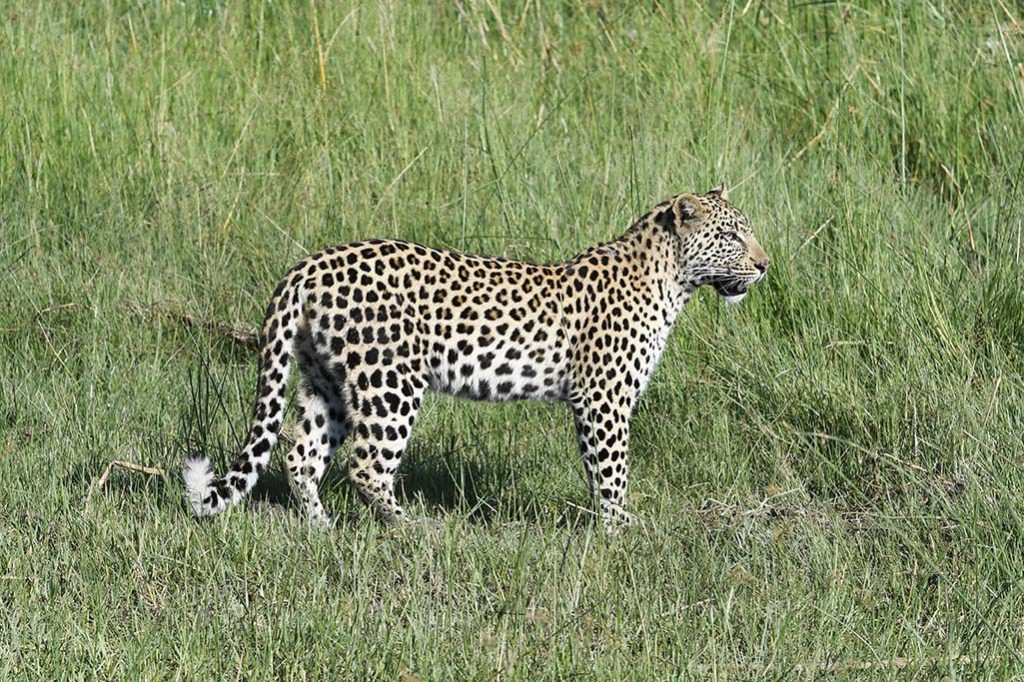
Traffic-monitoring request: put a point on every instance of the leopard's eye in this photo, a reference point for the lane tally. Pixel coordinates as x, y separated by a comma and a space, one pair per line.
731, 234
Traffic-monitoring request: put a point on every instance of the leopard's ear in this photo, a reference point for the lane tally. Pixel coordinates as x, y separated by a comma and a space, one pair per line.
678, 213
688, 208
722, 192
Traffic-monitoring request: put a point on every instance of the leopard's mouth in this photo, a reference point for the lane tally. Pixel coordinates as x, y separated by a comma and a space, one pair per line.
728, 289
733, 291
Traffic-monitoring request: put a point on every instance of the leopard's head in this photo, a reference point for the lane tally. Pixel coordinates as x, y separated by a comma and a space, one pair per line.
715, 244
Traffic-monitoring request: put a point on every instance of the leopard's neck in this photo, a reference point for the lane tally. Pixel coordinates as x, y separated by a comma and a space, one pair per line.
653, 251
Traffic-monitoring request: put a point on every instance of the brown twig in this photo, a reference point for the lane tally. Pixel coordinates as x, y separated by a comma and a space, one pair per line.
102, 480
247, 338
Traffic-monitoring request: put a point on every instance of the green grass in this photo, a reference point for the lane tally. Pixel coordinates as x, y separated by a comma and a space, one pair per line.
830, 474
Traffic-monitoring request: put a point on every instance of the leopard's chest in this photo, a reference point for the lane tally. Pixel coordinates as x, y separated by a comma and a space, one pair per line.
661, 321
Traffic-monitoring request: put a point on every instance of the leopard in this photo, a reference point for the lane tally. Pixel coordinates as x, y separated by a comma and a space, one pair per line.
372, 325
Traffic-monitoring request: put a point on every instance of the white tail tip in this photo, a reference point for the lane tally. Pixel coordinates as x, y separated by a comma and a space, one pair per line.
198, 476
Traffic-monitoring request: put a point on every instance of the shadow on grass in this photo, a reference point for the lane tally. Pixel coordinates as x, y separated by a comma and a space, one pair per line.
443, 482
446, 480
441, 475
457, 483
437, 480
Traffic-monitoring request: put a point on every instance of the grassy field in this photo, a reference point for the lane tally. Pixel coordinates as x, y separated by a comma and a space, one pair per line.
830, 474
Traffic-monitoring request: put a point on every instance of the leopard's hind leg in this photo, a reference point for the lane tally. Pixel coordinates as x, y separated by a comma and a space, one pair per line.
383, 414
321, 427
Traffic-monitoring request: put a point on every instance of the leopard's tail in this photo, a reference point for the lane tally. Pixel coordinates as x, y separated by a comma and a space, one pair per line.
205, 492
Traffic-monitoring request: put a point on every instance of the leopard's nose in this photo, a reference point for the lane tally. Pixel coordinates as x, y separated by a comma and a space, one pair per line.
762, 267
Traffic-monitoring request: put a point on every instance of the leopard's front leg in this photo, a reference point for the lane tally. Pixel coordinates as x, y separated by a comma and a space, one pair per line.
602, 428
